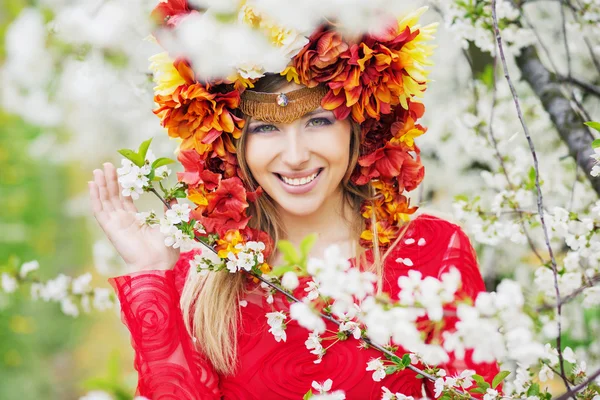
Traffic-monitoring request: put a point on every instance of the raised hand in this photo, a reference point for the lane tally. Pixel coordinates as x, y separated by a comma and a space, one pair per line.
141, 247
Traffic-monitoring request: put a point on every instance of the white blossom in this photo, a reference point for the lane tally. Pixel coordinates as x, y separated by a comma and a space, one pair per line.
9, 284
28, 267
276, 322
290, 280
376, 365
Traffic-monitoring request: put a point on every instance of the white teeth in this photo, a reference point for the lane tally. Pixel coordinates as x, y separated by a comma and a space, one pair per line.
299, 182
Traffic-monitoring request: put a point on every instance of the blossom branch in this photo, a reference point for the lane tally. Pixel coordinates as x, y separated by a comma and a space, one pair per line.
540, 199
327, 317
581, 386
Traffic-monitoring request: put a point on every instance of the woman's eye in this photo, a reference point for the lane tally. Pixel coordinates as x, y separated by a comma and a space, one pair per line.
264, 129
319, 122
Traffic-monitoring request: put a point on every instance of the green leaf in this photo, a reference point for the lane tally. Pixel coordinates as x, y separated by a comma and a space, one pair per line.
419, 376
499, 378
308, 395
533, 390
307, 244
289, 252
478, 390
596, 144
144, 149
132, 156
391, 369
180, 194
279, 271
406, 360
593, 125
395, 359
478, 378
159, 162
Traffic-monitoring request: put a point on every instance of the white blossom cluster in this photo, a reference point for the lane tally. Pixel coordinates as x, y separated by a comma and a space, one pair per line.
102, 395
247, 256
174, 236
595, 172
462, 381
323, 390
276, 321
63, 289
467, 26
134, 180
239, 47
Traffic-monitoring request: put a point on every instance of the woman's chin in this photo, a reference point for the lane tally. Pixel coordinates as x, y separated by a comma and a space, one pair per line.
299, 207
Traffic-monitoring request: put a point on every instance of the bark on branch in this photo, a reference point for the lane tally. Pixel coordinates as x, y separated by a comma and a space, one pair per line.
568, 123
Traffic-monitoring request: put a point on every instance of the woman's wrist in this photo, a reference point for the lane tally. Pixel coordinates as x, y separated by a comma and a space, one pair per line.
159, 266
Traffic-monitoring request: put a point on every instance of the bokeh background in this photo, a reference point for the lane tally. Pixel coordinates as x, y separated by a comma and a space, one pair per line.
75, 87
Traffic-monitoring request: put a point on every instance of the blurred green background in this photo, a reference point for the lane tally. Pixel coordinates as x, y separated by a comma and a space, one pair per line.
43, 353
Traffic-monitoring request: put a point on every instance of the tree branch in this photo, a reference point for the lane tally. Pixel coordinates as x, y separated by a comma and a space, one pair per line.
567, 122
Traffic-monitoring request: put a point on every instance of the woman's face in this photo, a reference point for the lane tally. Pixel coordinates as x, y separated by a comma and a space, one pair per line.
300, 165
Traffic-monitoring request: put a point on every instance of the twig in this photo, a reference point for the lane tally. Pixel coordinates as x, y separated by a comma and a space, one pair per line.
540, 199
581, 386
591, 282
588, 87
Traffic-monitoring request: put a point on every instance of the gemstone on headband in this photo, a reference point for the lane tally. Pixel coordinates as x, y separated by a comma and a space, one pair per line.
282, 100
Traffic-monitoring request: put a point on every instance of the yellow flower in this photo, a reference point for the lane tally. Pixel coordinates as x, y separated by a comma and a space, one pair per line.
227, 244
290, 73
249, 16
407, 133
164, 74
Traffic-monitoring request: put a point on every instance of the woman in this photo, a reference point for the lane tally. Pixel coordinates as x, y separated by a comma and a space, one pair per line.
324, 169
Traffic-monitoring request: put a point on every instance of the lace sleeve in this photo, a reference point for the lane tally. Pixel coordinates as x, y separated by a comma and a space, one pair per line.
461, 255
168, 365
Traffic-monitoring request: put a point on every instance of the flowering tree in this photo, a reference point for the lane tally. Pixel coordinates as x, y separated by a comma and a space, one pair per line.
515, 111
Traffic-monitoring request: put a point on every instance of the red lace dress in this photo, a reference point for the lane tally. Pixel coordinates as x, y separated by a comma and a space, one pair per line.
170, 368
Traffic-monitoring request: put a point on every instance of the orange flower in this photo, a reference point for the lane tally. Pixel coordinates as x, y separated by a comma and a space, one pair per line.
386, 234
226, 244
399, 210
406, 132
194, 111
320, 60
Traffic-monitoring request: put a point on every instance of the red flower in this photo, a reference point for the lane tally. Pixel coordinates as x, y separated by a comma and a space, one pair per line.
226, 209
384, 163
165, 11
195, 171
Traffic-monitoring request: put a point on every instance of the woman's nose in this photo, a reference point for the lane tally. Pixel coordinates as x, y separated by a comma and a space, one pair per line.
296, 151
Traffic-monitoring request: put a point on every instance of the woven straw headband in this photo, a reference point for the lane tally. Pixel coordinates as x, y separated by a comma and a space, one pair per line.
282, 107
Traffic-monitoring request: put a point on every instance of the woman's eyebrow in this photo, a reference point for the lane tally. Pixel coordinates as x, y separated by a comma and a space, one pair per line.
317, 111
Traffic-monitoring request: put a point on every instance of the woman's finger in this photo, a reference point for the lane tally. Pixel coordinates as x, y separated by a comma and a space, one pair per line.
95, 202
128, 204
112, 186
101, 182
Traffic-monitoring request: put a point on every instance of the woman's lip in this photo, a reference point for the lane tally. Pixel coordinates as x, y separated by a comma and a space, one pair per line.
302, 174
302, 188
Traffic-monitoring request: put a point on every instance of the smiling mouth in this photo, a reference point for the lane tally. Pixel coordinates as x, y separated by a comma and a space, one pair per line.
299, 181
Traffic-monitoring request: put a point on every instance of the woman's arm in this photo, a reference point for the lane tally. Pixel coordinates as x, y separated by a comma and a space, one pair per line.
168, 365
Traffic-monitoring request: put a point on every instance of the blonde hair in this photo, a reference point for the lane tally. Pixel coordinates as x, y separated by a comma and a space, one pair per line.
210, 304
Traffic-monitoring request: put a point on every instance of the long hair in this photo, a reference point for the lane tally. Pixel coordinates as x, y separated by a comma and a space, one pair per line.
210, 304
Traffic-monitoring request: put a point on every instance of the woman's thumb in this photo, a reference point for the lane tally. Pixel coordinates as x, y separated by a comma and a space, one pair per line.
171, 203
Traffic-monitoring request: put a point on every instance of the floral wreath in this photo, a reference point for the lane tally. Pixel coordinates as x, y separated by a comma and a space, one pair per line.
374, 80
